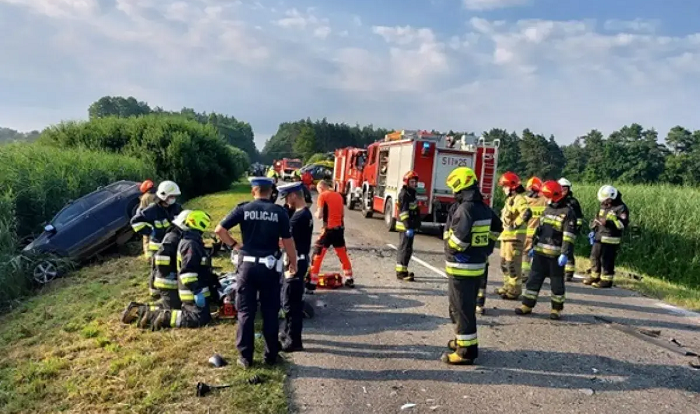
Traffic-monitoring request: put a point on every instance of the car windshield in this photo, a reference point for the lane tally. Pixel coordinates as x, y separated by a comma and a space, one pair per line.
294, 164
78, 207
121, 187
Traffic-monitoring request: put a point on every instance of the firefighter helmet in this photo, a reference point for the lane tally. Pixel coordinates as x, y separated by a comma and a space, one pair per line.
607, 192
552, 190
564, 182
198, 220
179, 221
167, 189
146, 186
534, 184
461, 178
509, 180
411, 175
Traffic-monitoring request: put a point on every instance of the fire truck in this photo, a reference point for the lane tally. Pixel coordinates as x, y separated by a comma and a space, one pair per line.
347, 173
433, 157
288, 166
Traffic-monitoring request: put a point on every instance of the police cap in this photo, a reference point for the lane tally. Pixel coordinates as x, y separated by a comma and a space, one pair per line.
261, 181
287, 189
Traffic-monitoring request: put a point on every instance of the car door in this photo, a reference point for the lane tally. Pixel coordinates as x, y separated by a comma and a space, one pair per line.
75, 230
104, 211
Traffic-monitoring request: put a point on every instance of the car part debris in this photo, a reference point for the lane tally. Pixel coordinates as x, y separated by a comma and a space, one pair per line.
218, 361
407, 406
652, 333
637, 334
204, 389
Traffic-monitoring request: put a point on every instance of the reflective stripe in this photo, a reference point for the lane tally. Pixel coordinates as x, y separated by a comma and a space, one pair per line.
607, 278
203, 261
465, 269
161, 224
466, 265
531, 294
445, 235
464, 341
186, 294
547, 249
569, 237
188, 277
494, 235
401, 268
610, 240
569, 268
557, 298
140, 226
399, 226
154, 245
162, 260
579, 222
531, 232
486, 222
163, 283
175, 318
455, 243
404, 215
480, 294
553, 217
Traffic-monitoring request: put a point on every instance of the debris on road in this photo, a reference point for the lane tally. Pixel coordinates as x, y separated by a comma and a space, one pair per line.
217, 361
649, 332
434, 407
587, 391
407, 406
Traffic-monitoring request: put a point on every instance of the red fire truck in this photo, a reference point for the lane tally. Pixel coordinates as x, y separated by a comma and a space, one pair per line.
433, 157
347, 173
288, 166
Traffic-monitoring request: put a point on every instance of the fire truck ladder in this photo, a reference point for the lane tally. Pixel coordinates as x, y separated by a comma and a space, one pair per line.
489, 166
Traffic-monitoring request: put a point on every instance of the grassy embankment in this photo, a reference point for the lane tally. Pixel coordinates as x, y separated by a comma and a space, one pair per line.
65, 350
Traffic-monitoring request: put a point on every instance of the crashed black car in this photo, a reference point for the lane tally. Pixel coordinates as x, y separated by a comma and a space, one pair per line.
84, 228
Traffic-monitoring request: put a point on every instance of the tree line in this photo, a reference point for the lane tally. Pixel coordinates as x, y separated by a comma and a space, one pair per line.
10, 135
631, 155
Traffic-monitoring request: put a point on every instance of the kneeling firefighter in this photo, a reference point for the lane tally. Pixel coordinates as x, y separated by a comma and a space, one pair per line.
553, 241
194, 279
165, 281
407, 224
467, 245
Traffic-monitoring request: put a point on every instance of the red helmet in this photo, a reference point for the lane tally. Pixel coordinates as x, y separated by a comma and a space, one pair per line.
552, 190
510, 180
534, 184
146, 186
411, 175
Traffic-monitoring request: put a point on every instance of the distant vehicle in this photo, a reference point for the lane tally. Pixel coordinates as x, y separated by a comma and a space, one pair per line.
289, 165
86, 227
319, 171
349, 163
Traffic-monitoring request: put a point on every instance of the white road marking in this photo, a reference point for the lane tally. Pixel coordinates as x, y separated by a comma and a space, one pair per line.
427, 265
678, 310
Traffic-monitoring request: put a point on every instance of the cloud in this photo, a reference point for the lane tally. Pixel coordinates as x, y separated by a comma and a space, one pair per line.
553, 76
493, 4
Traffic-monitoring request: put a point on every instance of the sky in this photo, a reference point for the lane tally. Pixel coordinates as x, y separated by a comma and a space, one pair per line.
559, 67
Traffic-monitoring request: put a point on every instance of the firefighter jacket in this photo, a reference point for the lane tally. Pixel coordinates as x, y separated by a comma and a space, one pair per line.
470, 232
166, 261
146, 200
193, 272
409, 213
556, 233
614, 219
154, 221
515, 215
537, 204
574, 204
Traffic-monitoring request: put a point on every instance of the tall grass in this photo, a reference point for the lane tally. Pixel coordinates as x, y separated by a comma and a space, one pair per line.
36, 181
664, 235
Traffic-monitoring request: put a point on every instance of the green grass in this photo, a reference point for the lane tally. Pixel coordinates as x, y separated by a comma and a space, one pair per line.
36, 181
66, 350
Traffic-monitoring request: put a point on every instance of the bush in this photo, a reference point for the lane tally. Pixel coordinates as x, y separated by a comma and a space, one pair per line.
36, 181
318, 157
179, 149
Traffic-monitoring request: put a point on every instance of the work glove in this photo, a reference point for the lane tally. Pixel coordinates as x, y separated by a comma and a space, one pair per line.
591, 238
531, 253
562, 260
409, 233
200, 300
461, 258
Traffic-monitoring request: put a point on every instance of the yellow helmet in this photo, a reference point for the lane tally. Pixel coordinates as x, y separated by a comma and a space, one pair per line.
198, 220
461, 178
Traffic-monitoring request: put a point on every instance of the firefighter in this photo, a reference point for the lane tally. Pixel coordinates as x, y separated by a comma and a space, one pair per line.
515, 216
467, 245
537, 204
574, 204
331, 211
262, 224
408, 223
148, 197
606, 236
301, 222
552, 244
166, 273
155, 220
193, 280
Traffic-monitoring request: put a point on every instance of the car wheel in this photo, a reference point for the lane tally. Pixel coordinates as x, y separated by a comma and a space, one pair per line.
45, 271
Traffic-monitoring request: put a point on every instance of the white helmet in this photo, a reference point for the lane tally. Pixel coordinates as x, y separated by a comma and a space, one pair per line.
564, 182
167, 189
607, 191
180, 219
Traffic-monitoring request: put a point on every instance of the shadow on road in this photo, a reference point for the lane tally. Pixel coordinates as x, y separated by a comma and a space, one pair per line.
545, 369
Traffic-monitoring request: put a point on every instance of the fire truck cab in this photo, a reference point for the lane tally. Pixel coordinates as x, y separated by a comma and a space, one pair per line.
432, 157
347, 173
288, 166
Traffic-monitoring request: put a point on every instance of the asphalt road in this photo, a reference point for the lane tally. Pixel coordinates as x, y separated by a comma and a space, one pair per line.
376, 348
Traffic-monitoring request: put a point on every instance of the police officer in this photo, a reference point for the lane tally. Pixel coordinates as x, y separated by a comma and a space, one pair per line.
262, 223
302, 225
470, 228
572, 202
552, 244
407, 224
155, 220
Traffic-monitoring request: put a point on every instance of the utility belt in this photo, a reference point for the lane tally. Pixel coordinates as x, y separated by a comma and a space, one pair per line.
271, 262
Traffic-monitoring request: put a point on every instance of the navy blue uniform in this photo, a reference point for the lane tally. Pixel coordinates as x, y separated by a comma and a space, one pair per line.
262, 223
302, 225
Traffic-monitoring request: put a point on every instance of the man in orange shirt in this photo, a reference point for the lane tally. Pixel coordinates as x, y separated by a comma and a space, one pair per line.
331, 211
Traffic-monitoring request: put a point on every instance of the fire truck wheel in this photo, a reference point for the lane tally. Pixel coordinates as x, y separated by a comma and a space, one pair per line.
350, 200
389, 219
366, 212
